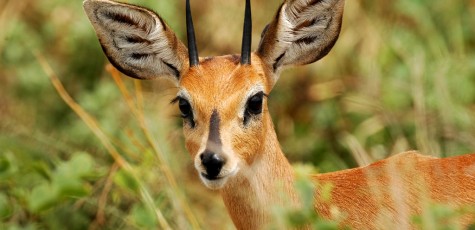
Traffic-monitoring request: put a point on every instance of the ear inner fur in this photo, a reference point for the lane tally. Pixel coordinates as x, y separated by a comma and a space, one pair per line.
304, 30
136, 40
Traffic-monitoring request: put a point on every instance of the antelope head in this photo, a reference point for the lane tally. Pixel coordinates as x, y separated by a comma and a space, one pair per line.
222, 99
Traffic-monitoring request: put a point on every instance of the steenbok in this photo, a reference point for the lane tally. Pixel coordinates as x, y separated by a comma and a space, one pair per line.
229, 132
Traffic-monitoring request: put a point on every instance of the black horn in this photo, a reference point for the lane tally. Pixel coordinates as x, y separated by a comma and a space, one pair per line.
190, 33
247, 35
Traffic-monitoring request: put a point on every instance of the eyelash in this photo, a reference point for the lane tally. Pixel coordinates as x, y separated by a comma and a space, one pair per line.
185, 109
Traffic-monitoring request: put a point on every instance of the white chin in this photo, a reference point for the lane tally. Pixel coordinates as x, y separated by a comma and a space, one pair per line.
214, 184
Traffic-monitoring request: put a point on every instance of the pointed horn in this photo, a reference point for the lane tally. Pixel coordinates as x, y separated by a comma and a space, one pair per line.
190, 32
247, 35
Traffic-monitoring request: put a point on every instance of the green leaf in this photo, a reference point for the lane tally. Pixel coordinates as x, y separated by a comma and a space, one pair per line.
144, 217
126, 180
5, 207
67, 178
70, 187
42, 197
326, 191
4, 165
81, 164
42, 169
326, 225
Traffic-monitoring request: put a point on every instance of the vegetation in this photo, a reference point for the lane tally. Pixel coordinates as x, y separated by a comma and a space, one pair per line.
106, 151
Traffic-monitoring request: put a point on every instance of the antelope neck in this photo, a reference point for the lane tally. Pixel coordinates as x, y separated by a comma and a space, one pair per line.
251, 195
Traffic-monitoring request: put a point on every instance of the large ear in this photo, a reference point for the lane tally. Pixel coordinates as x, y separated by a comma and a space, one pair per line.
302, 32
136, 40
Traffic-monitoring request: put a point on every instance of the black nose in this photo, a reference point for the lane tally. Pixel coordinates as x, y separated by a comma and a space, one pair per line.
212, 163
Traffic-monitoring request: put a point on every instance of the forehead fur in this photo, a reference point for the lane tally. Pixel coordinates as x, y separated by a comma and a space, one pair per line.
218, 78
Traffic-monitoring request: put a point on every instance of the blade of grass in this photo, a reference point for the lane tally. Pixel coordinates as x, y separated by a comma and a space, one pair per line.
94, 127
100, 216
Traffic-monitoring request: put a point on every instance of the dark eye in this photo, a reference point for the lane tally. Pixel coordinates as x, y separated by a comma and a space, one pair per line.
253, 106
185, 108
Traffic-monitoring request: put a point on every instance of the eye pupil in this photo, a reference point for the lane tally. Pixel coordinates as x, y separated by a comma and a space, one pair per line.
185, 108
254, 104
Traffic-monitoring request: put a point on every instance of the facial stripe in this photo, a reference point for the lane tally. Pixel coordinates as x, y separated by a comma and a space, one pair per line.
214, 136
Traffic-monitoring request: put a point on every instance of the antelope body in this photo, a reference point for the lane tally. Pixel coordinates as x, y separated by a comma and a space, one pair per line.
229, 132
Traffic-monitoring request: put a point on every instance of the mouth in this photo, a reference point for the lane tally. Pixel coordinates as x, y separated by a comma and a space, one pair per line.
216, 182
210, 177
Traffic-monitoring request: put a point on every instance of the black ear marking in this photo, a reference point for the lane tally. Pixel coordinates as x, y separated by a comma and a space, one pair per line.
277, 61
138, 56
313, 2
175, 71
164, 26
309, 23
125, 71
306, 40
264, 30
121, 18
132, 38
323, 52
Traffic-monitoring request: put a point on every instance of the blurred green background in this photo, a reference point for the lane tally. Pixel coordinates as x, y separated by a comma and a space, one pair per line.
400, 77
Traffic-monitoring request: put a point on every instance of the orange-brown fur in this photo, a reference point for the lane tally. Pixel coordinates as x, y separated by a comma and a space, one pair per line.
219, 83
388, 193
